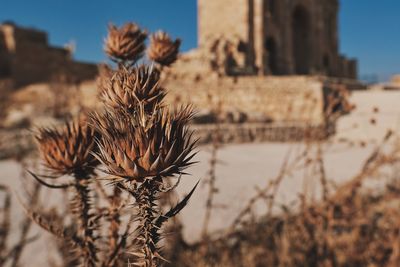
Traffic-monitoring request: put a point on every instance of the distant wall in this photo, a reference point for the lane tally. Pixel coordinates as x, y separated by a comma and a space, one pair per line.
26, 57
283, 99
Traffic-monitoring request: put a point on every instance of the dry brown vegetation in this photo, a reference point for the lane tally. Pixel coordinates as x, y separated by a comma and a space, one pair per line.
118, 168
11, 250
141, 144
352, 224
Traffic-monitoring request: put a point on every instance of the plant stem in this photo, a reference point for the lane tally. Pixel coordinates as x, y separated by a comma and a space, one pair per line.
82, 207
148, 235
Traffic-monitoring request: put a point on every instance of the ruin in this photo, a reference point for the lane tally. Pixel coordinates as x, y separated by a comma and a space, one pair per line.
270, 59
26, 57
272, 37
265, 66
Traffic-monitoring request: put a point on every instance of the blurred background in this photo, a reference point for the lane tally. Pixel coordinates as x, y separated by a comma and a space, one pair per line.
297, 117
363, 29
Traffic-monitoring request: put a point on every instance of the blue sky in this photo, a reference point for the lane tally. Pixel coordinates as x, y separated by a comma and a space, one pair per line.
369, 29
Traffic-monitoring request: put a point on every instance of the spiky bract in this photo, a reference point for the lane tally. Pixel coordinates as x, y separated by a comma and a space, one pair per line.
103, 79
130, 87
126, 43
146, 146
163, 49
67, 150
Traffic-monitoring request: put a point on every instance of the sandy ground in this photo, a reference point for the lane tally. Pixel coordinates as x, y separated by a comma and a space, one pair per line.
242, 168
376, 112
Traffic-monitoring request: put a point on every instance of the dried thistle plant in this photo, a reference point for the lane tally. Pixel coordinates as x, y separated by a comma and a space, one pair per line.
104, 78
5, 224
140, 143
139, 152
129, 86
68, 151
160, 145
163, 49
125, 44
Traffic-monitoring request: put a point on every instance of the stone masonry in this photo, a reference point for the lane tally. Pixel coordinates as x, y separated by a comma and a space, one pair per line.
275, 99
273, 60
273, 37
26, 57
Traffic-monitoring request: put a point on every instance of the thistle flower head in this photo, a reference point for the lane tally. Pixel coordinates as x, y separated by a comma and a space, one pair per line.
163, 49
138, 148
67, 150
129, 87
125, 43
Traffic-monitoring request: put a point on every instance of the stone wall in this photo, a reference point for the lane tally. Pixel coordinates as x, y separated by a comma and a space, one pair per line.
395, 80
17, 142
26, 57
258, 132
280, 99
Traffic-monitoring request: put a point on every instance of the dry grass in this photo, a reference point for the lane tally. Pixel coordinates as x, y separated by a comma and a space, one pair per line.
12, 250
350, 226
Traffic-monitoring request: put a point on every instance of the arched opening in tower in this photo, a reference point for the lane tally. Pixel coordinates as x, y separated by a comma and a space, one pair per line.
272, 7
301, 38
5, 62
5, 69
272, 55
327, 64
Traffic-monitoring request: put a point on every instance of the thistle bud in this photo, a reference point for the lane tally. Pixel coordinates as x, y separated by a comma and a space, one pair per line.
125, 43
68, 150
162, 147
130, 87
162, 49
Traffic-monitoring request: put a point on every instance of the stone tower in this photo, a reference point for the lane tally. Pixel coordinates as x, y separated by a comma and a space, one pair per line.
275, 37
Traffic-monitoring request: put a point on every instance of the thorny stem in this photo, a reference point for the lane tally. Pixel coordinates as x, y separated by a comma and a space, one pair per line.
5, 225
115, 220
148, 235
82, 207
